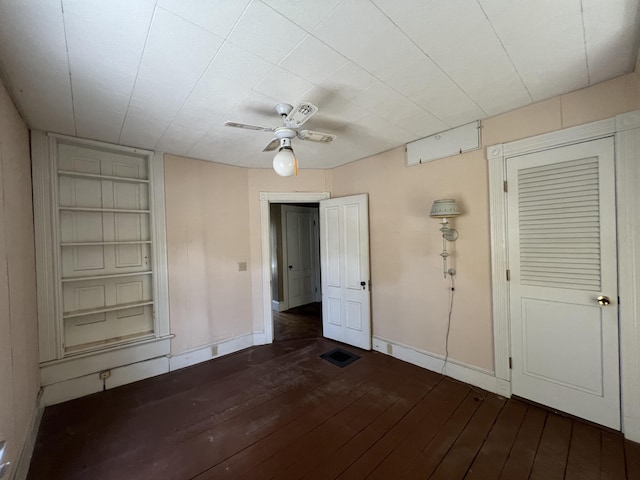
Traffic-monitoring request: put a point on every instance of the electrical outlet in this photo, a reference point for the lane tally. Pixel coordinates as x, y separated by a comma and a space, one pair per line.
214, 350
390, 348
242, 266
105, 374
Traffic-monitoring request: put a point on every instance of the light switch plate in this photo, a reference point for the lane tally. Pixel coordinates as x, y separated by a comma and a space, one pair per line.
242, 266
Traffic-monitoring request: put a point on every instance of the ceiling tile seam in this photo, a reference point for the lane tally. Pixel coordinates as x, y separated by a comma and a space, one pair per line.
225, 40
584, 42
309, 34
135, 82
364, 69
249, 92
429, 57
505, 50
300, 26
195, 85
228, 111
66, 48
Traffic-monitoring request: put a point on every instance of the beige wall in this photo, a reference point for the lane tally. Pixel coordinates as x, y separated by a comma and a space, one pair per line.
19, 374
207, 236
409, 294
213, 223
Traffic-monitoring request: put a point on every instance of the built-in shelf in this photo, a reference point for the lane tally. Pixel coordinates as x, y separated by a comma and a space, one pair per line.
102, 210
90, 244
65, 173
109, 343
103, 277
115, 308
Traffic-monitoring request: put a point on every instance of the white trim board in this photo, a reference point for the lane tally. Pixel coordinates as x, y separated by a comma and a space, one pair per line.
463, 372
210, 351
92, 383
267, 198
626, 130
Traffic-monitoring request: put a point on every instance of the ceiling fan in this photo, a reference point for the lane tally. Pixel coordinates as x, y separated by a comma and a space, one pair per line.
285, 162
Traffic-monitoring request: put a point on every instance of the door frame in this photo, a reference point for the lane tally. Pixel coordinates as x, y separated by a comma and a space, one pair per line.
266, 198
625, 129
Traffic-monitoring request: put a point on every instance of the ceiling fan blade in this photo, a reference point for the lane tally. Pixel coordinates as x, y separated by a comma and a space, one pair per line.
272, 145
300, 114
249, 127
316, 136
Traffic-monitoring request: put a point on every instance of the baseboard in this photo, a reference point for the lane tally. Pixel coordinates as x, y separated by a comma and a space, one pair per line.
87, 384
21, 469
260, 338
210, 351
478, 377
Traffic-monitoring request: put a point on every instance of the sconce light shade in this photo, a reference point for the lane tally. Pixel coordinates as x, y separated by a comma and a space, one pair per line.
284, 162
444, 209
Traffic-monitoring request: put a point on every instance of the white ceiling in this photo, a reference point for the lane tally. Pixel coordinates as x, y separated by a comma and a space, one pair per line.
166, 74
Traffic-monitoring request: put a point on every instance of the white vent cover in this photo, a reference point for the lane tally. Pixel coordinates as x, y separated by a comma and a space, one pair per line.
559, 212
445, 144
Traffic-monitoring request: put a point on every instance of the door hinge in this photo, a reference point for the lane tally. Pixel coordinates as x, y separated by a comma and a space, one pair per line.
505, 186
508, 275
510, 363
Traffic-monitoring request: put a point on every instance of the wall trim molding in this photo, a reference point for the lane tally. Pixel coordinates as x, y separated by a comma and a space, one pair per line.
461, 371
267, 198
626, 130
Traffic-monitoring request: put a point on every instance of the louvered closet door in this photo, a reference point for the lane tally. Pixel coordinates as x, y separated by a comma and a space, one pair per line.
562, 257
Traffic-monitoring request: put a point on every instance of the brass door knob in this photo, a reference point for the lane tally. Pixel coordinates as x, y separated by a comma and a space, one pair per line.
604, 300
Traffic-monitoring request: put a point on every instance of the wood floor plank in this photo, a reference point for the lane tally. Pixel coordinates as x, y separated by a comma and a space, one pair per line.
632, 454
583, 462
612, 461
520, 462
551, 458
279, 411
219, 442
491, 459
444, 394
391, 378
137, 439
458, 459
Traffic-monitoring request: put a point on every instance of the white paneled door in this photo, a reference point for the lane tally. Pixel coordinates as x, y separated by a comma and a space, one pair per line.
300, 257
344, 259
563, 289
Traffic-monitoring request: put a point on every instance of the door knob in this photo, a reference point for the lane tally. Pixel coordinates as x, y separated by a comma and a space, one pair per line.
603, 300
363, 285
290, 267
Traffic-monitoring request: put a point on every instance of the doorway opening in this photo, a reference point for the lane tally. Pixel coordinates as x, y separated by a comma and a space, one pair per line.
296, 300
266, 199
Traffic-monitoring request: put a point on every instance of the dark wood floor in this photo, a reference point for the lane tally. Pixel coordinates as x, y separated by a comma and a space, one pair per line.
279, 411
299, 322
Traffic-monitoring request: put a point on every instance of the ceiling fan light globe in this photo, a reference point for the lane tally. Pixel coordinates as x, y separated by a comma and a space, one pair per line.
284, 162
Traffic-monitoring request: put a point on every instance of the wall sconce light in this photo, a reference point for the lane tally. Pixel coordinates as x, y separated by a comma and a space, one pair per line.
446, 209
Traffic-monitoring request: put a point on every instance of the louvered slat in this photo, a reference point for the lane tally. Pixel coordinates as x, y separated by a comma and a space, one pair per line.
559, 222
